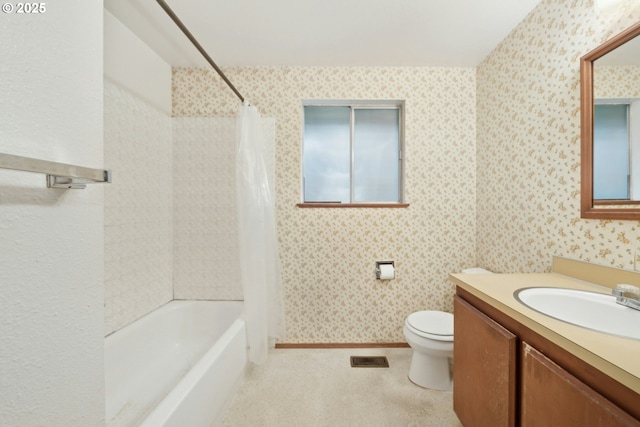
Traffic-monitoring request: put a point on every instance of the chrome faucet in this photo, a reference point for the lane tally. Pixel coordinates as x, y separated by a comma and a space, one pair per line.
627, 295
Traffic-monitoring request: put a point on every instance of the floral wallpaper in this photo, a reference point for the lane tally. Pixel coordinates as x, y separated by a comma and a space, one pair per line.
492, 175
529, 144
328, 255
616, 82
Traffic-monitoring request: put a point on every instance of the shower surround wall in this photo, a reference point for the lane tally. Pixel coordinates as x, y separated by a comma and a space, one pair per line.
173, 234
328, 255
204, 209
529, 144
138, 204
170, 218
206, 254
138, 208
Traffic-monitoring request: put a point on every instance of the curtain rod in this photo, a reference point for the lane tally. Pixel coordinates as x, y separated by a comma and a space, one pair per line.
187, 33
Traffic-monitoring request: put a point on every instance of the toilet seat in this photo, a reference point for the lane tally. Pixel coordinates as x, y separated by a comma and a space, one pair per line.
435, 325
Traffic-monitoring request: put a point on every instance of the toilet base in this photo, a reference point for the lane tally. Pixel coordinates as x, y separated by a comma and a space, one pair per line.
430, 371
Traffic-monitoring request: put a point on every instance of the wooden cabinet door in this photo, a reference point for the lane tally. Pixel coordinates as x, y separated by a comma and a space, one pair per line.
484, 369
551, 396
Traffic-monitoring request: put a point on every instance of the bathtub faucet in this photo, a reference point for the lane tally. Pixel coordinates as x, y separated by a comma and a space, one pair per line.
627, 295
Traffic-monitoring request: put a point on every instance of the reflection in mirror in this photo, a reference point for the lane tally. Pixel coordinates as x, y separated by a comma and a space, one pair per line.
610, 126
612, 177
616, 116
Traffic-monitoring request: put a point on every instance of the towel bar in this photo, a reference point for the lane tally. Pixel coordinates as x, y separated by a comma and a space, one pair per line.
59, 175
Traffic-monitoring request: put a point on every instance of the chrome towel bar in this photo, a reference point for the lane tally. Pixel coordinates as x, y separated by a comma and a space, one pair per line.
59, 175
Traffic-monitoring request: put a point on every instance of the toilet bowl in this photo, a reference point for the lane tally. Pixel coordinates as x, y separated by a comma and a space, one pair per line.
430, 335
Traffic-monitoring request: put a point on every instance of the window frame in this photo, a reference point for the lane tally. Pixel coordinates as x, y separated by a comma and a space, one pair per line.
355, 105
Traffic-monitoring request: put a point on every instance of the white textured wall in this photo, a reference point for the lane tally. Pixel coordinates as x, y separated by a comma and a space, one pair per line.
138, 205
51, 241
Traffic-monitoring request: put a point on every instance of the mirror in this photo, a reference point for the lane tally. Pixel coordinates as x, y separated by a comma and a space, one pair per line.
610, 128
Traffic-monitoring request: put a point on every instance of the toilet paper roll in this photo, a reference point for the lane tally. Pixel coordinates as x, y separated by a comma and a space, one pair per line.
387, 272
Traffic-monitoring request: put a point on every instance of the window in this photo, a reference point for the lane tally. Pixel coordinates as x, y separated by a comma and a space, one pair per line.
352, 153
611, 176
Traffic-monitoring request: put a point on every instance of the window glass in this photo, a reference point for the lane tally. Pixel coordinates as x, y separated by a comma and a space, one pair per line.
376, 138
611, 152
351, 153
327, 157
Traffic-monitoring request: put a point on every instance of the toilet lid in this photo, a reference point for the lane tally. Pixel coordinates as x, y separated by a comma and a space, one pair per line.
432, 322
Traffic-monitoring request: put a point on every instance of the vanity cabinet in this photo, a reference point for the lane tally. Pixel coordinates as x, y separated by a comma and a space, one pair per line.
507, 375
484, 374
550, 396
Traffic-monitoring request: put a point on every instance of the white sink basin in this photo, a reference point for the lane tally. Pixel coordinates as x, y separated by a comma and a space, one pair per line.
591, 310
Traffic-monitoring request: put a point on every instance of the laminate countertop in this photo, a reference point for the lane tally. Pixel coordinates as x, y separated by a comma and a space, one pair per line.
617, 357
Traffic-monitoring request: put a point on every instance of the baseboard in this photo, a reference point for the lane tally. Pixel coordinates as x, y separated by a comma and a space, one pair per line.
343, 345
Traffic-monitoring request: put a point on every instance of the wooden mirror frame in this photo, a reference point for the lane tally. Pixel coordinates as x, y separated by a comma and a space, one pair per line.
587, 205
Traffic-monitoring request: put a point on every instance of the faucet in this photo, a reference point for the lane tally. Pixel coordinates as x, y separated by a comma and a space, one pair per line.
627, 295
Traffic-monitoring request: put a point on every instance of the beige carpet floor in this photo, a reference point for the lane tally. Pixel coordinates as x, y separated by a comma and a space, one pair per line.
318, 387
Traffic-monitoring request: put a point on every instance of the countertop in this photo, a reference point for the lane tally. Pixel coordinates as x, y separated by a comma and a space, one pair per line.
617, 357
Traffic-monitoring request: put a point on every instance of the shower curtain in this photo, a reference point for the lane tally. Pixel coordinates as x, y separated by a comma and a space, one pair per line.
259, 261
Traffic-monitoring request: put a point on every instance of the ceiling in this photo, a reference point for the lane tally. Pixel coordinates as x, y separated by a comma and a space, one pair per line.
447, 33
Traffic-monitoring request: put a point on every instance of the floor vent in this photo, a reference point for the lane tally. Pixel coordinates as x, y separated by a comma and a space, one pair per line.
369, 362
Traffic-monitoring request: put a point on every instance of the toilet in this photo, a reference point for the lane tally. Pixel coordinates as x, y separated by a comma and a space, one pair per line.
430, 336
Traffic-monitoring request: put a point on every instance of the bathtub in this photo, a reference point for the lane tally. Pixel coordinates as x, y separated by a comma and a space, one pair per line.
180, 365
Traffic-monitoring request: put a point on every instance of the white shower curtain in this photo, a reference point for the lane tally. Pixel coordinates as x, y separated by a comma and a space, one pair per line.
259, 261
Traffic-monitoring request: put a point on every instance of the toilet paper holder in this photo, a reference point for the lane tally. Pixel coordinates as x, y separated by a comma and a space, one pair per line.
378, 269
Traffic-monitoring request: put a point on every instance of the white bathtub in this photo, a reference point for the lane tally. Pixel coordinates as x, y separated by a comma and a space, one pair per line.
179, 365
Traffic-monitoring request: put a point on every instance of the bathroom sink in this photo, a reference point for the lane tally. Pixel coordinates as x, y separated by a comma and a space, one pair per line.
591, 310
